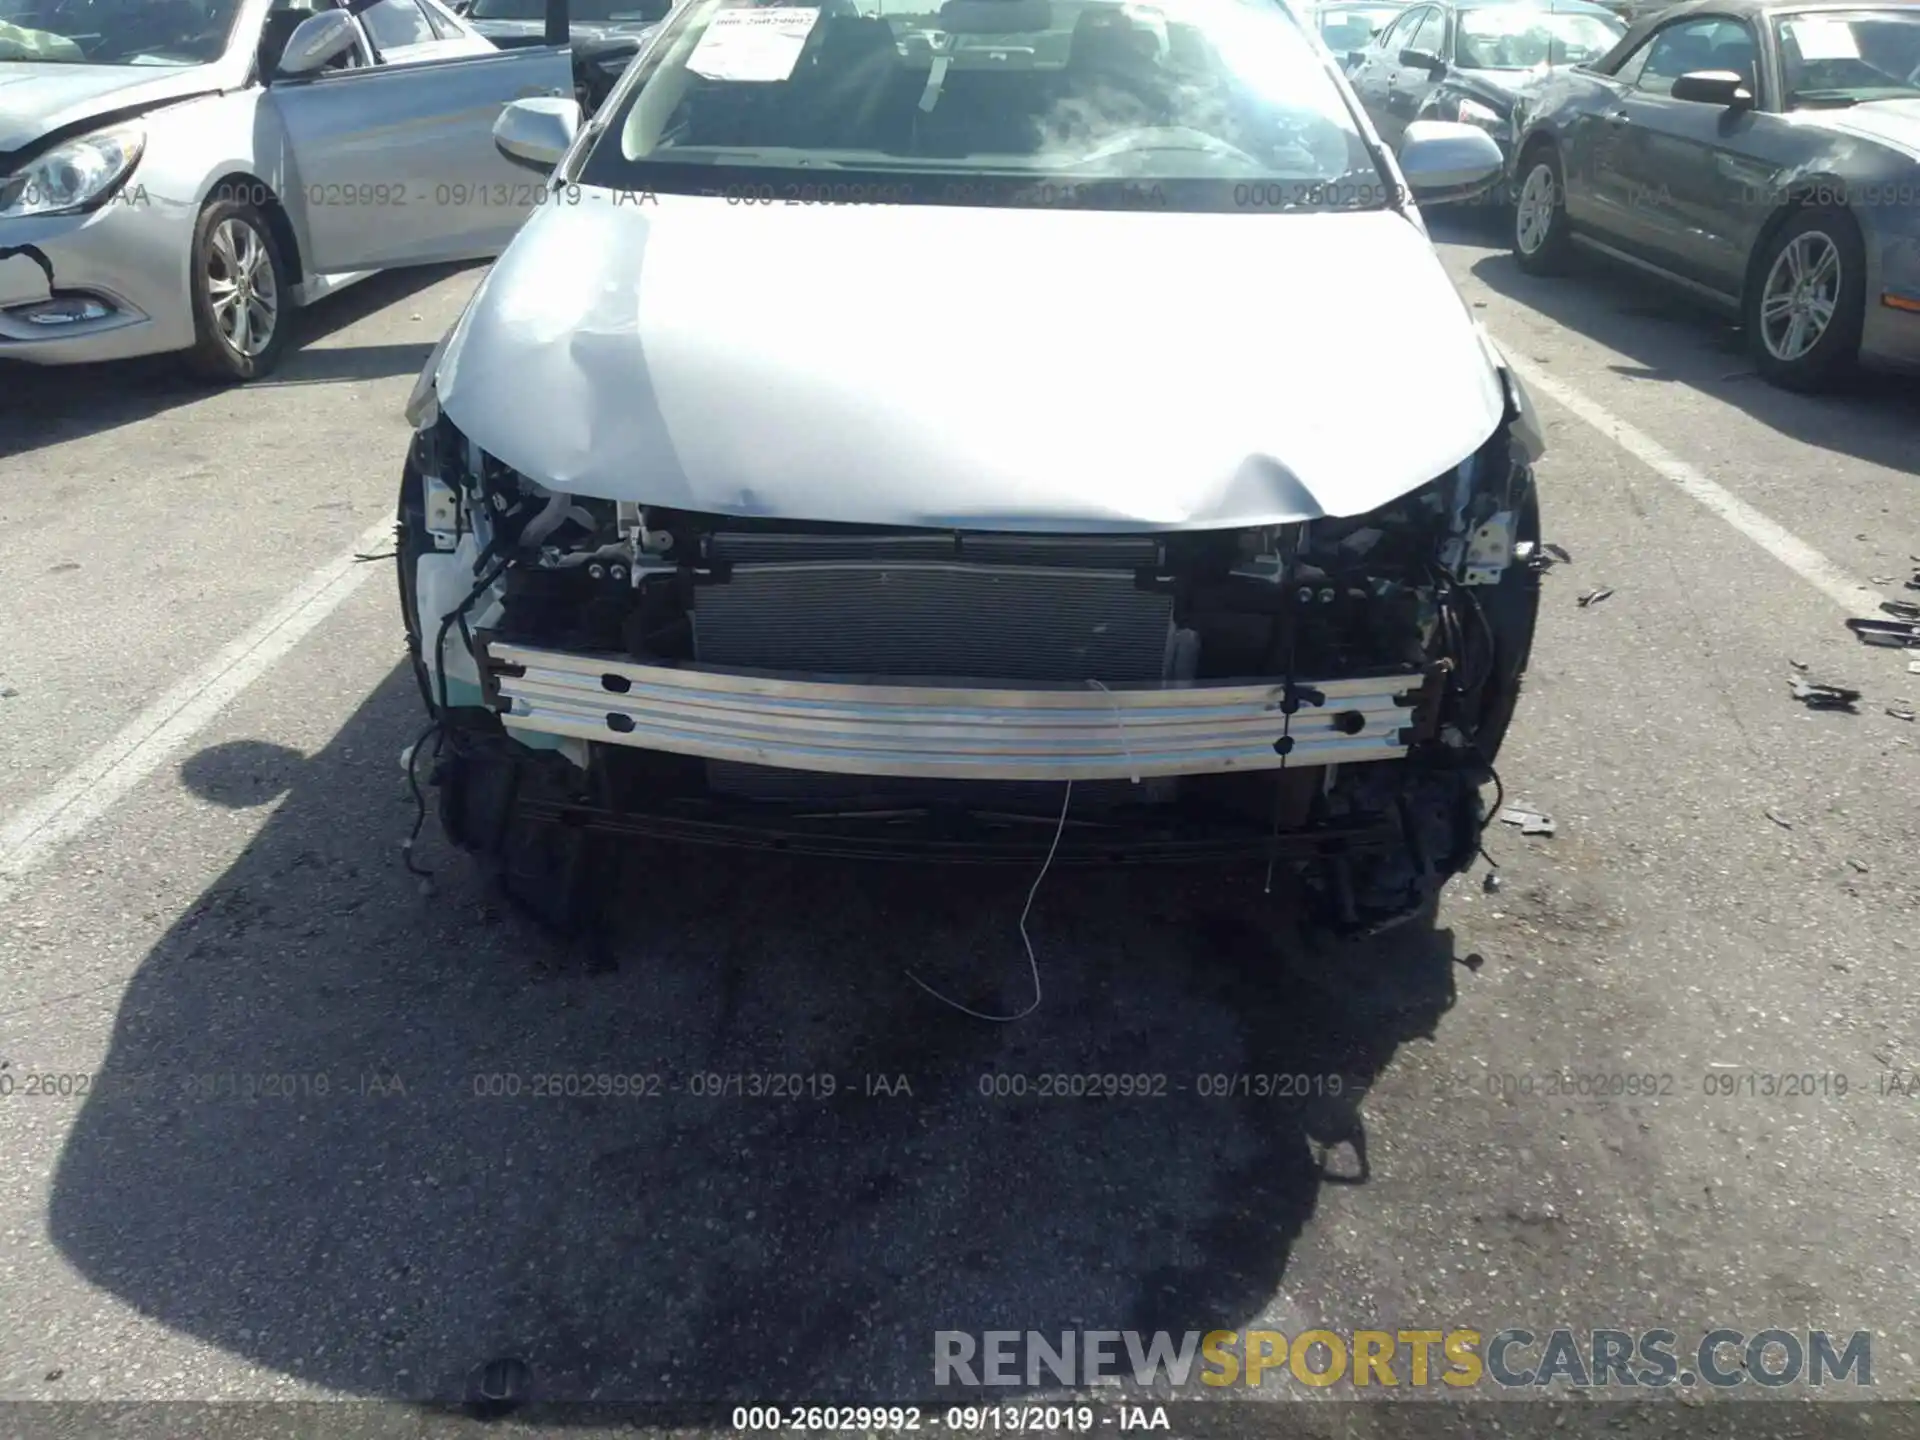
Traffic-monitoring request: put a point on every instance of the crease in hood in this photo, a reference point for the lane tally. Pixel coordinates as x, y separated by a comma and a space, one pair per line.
40, 99
947, 367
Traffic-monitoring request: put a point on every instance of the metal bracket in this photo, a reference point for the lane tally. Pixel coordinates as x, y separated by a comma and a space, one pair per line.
1489, 551
442, 503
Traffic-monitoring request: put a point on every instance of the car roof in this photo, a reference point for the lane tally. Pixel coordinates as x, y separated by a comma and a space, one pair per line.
1741, 10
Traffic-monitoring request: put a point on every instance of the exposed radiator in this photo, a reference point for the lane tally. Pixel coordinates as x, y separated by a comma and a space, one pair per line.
935, 619
1018, 608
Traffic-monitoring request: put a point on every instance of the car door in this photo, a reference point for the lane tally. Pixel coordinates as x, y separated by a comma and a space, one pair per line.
1380, 62
394, 163
1675, 170
1409, 85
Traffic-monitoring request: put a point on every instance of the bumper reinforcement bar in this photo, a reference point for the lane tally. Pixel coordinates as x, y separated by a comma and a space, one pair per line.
952, 729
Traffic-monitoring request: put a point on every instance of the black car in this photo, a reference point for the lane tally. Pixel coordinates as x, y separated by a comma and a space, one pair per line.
1763, 153
1469, 61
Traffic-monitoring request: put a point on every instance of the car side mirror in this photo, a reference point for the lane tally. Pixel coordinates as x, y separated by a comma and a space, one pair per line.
1726, 88
1444, 160
317, 42
1423, 60
536, 132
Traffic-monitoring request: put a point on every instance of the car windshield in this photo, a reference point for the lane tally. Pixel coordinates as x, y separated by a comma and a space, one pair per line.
1345, 29
1849, 57
1521, 37
636, 12
116, 32
1184, 105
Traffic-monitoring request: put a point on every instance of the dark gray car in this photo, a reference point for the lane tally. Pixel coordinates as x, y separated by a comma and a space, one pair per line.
1470, 61
1764, 153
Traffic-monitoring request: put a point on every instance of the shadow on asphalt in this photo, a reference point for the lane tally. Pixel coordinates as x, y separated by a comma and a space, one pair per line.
453, 1197
1669, 336
49, 404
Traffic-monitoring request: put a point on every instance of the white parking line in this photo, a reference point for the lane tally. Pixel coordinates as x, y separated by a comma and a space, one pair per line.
1790, 550
162, 730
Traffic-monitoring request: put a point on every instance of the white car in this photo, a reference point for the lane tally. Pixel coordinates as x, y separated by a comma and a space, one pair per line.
1029, 429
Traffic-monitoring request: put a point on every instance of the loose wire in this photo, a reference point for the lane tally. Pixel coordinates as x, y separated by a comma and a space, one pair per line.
1033, 963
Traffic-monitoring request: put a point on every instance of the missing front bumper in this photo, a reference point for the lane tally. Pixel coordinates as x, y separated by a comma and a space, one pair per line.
952, 729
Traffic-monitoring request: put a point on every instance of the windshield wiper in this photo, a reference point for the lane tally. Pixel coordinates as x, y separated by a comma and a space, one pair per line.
1822, 99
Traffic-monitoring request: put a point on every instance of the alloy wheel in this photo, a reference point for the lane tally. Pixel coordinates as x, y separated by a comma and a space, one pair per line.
1533, 212
241, 287
1801, 295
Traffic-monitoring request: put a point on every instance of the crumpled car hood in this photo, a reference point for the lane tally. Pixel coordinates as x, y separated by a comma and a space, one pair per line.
37, 99
947, 366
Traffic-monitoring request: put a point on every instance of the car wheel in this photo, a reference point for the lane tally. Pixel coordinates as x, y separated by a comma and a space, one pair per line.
1541, 238
241, 300
1512, 610
1807, 301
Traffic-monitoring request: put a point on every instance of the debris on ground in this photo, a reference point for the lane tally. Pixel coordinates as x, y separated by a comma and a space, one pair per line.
1491, 882
1859, 865
1816, 696
1594, 597
1531, 822
1913, 668
1902, 609
1900, 710
1913, 581
1900, 634
1779, 819
1558, 552
1798, 664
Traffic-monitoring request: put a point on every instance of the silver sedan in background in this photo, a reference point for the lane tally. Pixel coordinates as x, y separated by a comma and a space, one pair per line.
180, 175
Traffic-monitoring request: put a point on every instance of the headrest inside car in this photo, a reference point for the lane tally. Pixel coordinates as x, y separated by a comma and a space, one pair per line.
996, 17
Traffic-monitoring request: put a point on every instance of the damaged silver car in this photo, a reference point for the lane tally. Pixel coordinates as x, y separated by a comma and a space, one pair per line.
975, 431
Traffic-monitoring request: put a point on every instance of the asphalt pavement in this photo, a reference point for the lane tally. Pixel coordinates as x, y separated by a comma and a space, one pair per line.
305, 1128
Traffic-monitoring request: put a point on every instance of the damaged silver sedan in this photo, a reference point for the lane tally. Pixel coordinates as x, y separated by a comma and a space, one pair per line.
953, 432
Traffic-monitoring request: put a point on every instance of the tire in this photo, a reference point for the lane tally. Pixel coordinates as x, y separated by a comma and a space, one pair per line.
1825, 244
234, 250
411, 541
1512, 608
1539, 179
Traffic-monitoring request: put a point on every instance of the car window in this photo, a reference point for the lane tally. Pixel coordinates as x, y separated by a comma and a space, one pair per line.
396, 24
608, 11
117, 32
1523, 37
1348, 30
1707, 42
1627, 72
1221, 106
445, 27
1394, 38
1431, 35
1849, 57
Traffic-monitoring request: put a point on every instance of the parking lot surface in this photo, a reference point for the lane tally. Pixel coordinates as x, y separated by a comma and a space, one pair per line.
201, 885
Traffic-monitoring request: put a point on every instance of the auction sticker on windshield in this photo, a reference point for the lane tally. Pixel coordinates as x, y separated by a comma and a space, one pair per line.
1824, 39
759, 43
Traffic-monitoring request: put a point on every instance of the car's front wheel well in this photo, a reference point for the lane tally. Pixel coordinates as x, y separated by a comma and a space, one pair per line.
1809, 196
239, 185
1535, 145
